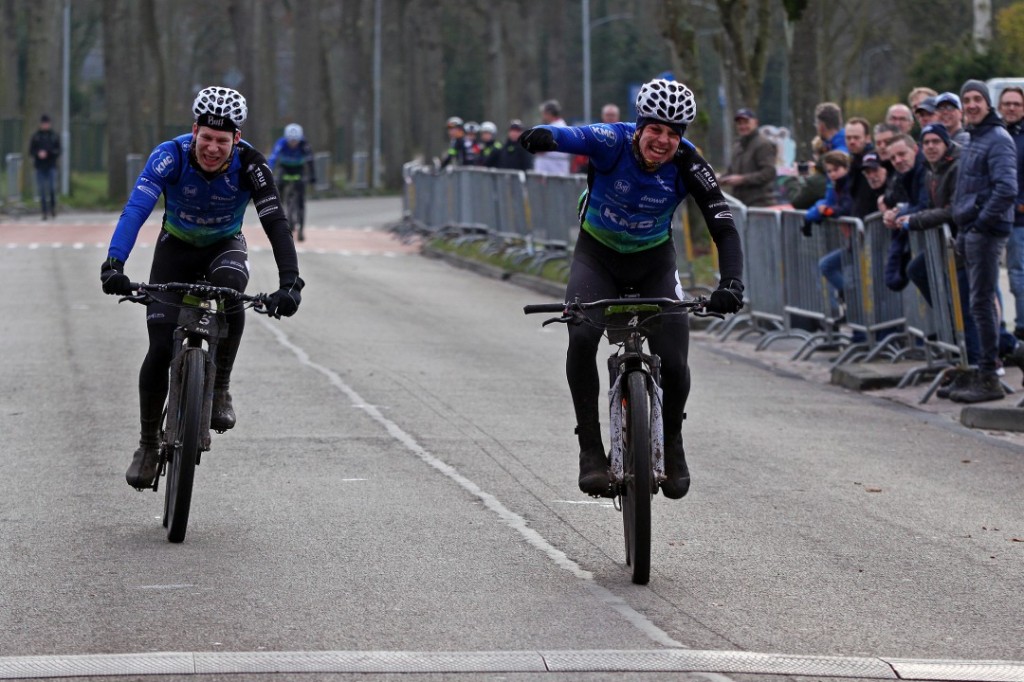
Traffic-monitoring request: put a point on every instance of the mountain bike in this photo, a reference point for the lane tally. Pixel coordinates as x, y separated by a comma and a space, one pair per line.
637, 454
292, 203
185, 433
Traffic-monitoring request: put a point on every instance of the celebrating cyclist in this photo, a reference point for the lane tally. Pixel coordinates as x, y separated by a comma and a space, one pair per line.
638, 174
292, 159
207, 178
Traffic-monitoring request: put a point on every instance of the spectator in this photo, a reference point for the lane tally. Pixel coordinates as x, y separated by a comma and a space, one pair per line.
925, 112
490, 145
983, 207
874, 171
456, 152
950, 113
836, 204
904, 195
609, 113
1011, 107
917, 94
750, 176
44, 148
941, 159
812, 181
858, 142
552, 163
900, 116
511, 155
884, 135
828, 119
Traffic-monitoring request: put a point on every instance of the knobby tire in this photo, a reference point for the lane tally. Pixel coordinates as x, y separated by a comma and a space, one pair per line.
181, 467
639, 486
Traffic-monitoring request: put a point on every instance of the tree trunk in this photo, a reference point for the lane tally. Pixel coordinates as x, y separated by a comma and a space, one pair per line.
119, 74
42, 79
151, 42
10, 100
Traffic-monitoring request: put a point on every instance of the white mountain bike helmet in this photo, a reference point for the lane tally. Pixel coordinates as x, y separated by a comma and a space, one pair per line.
666, 101
472, 127
489, 127
215, 103
293, 132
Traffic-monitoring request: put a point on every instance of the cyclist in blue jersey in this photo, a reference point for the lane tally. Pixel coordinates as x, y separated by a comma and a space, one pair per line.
207, 178
292, 155
638, 174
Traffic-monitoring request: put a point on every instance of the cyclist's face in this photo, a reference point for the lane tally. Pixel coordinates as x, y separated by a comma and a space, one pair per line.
658, 143
213, 147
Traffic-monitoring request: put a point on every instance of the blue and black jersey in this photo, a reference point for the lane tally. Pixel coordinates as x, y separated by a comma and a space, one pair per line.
629, 209
202, 208
293, 160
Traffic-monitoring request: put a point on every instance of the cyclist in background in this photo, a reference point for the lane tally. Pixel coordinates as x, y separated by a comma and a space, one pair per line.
293, 154
638, 174
207, 178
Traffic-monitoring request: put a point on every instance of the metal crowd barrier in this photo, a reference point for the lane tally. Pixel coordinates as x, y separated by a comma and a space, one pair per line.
872, 309
941, 331
805, 291
12, 162
739, 216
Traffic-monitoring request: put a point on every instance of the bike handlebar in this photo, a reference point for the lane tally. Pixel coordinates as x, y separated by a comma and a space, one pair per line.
206, 291
699, 302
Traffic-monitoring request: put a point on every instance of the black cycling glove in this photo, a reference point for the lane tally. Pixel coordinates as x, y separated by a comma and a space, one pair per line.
285, 301
538, 140
727, 298
805, 229
114, 280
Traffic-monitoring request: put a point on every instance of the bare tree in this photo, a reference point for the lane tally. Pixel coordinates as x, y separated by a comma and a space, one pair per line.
10, 99
121, 95
743, 46
42, 78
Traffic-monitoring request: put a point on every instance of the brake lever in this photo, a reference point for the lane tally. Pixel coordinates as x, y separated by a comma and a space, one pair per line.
140, 297
564, 319
708, 313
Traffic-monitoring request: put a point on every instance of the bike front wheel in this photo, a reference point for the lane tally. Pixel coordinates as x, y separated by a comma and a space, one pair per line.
639, 484
183, 450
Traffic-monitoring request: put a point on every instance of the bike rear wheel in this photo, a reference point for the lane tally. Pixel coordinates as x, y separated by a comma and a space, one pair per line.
639, 484
183, 450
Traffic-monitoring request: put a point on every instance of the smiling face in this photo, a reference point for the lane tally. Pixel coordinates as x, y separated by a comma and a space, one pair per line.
658, 143
949, 116
975, 107
213, 147
1011, 106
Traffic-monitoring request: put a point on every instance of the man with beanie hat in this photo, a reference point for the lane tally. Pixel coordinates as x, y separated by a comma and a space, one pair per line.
983, 202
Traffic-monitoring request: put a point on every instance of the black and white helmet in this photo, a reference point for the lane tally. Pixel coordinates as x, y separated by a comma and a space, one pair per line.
218, 101
667, 101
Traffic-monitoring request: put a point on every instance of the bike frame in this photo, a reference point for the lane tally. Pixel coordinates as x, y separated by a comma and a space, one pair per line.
199, 323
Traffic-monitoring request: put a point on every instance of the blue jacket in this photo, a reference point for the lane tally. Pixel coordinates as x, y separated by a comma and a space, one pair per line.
986, 184
202, 208
629, 209
838, 201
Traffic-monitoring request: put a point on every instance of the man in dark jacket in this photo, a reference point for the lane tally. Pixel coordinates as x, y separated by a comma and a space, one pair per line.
44, 148
511, 155
1011, 107
983, 202
750, 176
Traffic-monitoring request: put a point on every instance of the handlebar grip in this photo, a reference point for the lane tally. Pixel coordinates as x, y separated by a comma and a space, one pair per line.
543, 308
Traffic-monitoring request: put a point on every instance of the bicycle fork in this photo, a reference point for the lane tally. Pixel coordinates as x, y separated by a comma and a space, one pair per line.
620, 367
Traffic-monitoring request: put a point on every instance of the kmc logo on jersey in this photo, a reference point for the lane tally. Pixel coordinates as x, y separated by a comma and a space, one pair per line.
163, 163
605, 133
622, 187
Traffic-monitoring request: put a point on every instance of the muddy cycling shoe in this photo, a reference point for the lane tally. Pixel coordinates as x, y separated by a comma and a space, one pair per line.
142, 471
595, 479
677, 475
222, 416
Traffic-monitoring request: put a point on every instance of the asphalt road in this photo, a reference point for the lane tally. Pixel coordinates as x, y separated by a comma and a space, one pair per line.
403, 479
